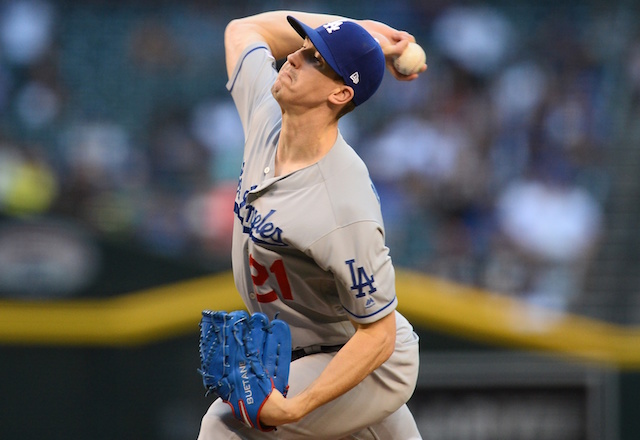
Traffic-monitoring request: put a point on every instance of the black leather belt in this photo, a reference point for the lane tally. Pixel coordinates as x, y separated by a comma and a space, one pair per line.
302, 352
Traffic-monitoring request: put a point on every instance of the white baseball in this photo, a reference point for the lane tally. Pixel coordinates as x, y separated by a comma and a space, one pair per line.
411, 60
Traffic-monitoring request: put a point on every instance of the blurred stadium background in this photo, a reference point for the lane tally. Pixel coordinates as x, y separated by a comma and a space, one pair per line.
508, 176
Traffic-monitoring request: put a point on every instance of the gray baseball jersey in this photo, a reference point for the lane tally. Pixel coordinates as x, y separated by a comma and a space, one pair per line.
308, 245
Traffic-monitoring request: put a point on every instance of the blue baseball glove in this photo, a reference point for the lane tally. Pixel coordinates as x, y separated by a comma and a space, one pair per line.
242, 359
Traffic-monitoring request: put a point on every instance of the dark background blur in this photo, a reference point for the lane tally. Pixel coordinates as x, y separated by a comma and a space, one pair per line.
511, 165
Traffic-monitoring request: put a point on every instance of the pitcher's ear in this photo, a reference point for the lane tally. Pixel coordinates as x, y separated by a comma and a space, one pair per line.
341, 95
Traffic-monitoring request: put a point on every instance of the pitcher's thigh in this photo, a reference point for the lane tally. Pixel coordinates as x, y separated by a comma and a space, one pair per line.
220, 424
369, 403
372, 403
398, 426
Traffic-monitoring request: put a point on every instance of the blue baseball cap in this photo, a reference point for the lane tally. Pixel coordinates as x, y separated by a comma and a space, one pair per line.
351, 51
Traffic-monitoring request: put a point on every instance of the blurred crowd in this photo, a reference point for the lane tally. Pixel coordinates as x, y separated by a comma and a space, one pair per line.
491, 167
495, 164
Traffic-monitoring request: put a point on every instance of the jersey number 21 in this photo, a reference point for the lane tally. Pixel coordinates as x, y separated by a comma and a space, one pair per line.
261, 274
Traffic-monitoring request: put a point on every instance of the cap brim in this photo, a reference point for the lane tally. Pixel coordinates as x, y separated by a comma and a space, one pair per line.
306, 31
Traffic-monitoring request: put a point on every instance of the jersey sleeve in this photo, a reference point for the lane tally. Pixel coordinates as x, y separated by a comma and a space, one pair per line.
365, 278
251, 81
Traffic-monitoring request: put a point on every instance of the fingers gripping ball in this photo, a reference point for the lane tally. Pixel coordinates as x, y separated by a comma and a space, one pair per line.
411, 60
242, 359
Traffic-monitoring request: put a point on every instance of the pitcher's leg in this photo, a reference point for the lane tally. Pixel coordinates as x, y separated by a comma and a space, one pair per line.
369, 403
398, 426
219, 424
375, 401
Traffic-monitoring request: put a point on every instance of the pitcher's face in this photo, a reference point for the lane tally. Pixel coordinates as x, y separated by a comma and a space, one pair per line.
305, 78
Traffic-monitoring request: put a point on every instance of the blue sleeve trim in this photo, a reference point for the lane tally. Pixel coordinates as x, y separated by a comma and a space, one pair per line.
232, 80
372, 314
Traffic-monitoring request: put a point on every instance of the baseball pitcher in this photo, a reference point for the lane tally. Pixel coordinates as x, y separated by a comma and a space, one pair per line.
309, 253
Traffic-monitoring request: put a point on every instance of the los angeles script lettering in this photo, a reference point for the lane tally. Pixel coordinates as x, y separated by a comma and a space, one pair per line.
263, 230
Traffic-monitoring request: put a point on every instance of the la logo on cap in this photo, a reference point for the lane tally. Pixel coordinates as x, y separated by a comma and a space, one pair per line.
333, 26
